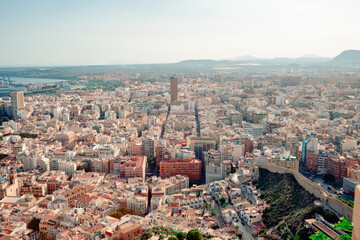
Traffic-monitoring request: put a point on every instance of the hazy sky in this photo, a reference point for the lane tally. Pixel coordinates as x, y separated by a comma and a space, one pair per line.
82, 32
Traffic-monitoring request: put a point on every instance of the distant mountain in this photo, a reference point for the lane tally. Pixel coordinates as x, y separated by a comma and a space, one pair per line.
197, 61
348, 57
310, 56
252, 61
246, 57
300, 60
203, 63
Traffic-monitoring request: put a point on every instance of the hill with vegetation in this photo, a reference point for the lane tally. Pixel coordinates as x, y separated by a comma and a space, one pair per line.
290, 203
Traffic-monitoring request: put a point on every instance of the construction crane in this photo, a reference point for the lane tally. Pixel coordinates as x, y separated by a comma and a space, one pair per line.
6, 80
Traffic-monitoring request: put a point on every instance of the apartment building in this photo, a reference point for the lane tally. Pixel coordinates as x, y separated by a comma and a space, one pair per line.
190, 167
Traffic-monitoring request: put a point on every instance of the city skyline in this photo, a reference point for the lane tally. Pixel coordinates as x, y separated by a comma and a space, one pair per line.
46, 33
179, 120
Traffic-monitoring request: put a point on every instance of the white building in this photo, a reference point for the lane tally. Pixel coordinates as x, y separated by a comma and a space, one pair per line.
108, 151
68, 167
348, 145
191, 105
110, 115
57, 112
255, 130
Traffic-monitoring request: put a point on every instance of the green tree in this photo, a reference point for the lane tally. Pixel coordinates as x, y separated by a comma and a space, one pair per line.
28, 135
120, 212
194, 235
222, 200
173, 238
237, 230
146, 236
347, 202
212, 211
344, 224
330, 216
319, 236
34, 224
181, 235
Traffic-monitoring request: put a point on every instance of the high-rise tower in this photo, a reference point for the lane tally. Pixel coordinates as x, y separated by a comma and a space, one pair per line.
17, 103
174, 88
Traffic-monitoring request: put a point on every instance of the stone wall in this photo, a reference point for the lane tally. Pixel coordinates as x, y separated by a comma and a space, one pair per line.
328, 199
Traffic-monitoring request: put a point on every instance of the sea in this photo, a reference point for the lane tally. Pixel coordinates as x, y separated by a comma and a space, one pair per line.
31, 80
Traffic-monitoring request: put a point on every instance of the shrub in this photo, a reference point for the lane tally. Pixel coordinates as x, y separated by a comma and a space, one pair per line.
194, 235
34, 224
146, 236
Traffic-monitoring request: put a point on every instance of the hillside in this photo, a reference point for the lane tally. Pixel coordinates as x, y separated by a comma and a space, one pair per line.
169, 234
290, 206
348, 57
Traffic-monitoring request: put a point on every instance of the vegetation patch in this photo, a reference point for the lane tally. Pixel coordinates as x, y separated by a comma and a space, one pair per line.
290, 203
28, 135
120, 212
348, 202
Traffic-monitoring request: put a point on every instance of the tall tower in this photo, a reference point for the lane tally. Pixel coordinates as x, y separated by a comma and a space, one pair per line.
13, 176
174, 88
17, 103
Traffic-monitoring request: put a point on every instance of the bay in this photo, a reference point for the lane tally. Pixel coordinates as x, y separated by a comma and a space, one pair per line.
32, 80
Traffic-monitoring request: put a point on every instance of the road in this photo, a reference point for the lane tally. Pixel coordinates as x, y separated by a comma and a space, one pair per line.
247, 234
218, 217
245, 231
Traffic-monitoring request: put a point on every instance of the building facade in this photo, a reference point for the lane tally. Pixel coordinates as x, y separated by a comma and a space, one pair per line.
174, 88
190, 167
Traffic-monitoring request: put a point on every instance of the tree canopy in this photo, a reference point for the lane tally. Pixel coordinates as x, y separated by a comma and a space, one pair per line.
194, 235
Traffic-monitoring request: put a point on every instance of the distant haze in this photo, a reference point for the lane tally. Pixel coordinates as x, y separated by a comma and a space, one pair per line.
88, 32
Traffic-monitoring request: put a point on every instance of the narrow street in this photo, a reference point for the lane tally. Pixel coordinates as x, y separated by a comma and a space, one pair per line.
245, 231
197, 122
218, 216
164, 125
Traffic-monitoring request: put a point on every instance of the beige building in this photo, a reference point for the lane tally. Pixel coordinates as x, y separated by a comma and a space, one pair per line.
219, 171
128, 231
10, 187
26, 200
174, 88
54, 180
17, 103
356, 215
72, 194
149, 144
138, 204
288, 162
200, 145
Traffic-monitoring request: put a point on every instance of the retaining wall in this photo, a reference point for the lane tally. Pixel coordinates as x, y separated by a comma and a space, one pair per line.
329, 199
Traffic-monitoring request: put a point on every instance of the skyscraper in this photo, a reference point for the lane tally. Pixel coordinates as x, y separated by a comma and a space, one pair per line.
17, 103
174, 88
